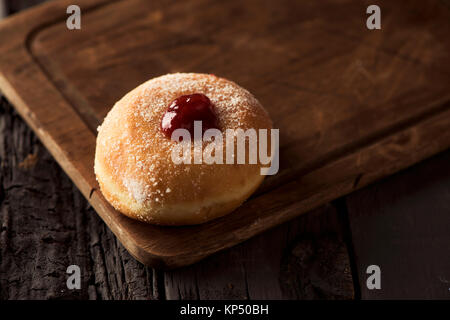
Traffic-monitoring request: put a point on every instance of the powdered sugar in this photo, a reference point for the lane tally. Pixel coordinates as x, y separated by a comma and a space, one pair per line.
135, 189
140, 155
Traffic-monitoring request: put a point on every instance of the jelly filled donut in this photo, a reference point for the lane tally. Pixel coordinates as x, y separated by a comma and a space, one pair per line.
134, 162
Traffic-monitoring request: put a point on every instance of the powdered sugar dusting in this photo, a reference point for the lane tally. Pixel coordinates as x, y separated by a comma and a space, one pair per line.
135, 189
137, 152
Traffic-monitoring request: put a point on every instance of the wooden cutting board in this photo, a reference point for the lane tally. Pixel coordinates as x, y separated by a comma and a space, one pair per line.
352, 105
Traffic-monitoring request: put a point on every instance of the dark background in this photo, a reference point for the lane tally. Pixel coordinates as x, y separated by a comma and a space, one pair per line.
401, 223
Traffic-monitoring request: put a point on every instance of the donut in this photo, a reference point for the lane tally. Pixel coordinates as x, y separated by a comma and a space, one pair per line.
134, 163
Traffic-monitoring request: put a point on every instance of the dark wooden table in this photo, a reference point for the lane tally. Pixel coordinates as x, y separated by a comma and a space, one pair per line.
401, 224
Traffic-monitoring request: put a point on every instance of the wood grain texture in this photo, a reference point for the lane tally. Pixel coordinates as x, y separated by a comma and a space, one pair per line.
402, 225
109, 272
305, 258
47, 225
353, 105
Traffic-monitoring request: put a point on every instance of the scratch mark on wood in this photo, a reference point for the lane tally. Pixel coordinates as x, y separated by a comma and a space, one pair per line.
92, 192
357, 180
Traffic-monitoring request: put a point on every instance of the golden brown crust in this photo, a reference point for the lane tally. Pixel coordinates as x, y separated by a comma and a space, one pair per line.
133, 161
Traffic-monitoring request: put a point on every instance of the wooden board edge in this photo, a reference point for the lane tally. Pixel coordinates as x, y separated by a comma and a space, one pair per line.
15, 33
284, 195
390, 152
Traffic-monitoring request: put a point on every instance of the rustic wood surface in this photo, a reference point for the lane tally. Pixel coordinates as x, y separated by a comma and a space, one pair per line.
402, 224
363, 108
56, 227
46, 225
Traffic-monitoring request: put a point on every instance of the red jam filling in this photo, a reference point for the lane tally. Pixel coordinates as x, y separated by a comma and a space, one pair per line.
184, 110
